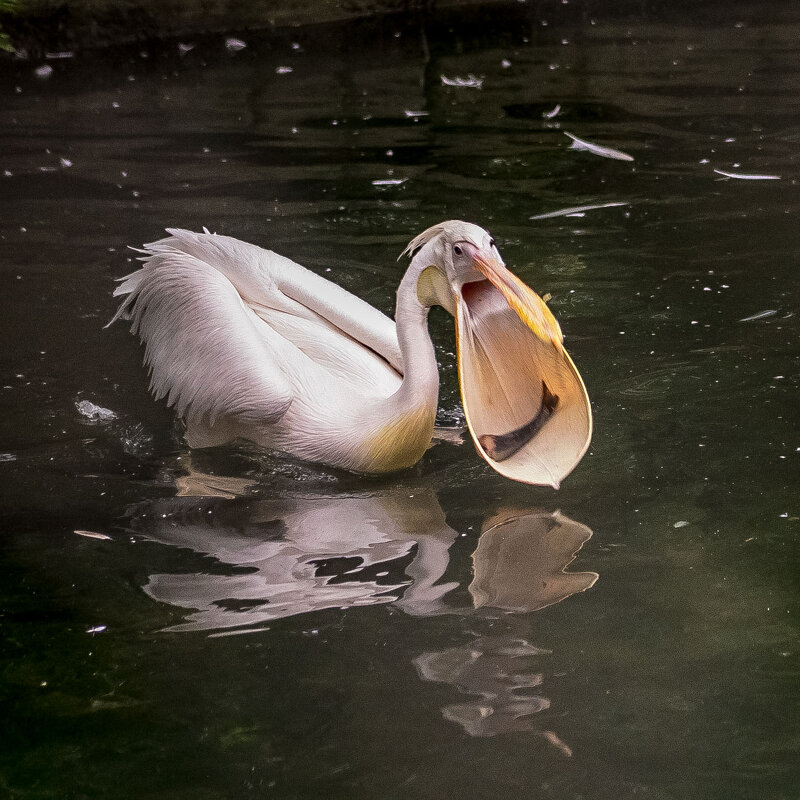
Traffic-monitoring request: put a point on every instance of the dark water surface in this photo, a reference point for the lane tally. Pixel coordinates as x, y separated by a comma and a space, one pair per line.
249, 627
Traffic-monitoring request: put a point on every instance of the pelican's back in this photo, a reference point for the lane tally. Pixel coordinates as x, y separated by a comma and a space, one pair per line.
234, 331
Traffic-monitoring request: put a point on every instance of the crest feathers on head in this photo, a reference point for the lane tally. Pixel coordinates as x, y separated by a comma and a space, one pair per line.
423, 238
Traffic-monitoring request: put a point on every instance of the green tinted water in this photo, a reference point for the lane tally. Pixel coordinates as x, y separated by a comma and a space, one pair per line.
427, 635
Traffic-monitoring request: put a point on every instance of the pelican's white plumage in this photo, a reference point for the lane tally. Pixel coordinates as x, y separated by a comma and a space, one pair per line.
244, 343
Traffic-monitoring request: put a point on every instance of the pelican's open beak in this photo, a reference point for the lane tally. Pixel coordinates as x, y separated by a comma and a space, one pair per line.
525, 403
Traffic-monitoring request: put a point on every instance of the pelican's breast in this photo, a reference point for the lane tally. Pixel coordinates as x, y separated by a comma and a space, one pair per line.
401, 440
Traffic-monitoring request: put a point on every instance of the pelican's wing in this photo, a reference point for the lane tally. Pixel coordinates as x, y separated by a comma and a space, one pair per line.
270, 282
205, 349
200, 303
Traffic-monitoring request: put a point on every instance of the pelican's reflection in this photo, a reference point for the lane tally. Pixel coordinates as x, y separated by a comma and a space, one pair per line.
497, 669
292, 555
288, 555
521, 560
519, 565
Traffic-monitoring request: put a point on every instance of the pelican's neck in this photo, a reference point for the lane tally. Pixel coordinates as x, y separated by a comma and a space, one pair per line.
420, 371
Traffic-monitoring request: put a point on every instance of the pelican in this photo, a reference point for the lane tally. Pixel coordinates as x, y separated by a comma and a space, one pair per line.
246, 344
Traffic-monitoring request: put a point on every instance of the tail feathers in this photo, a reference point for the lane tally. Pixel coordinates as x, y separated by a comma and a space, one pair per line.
129, 287
204, 353
207, 247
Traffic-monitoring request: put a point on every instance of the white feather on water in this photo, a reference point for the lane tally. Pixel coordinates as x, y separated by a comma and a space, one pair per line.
566, 212
92, 535
596, 149
470, 82
743, 176
770, 312
553, 112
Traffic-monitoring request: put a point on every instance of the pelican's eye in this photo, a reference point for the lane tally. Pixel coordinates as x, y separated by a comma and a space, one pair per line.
491, 243
457, 250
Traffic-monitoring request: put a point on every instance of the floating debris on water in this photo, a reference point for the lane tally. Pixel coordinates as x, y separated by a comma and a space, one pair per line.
94, 413
552, 113
576, 210
681, 523
183, 49
470, 82
59, 55
283, 70
743, 176
409, 113
598, 150
92, 535
97, 629
7, 457
234, 44
43, 72
770, 312
389, 181
65, 162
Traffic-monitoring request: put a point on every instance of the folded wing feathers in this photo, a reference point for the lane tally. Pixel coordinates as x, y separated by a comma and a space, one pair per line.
205, 305
266, 279
202, 346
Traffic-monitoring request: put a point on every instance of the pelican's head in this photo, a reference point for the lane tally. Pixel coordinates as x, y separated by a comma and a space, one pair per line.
455, 249
525, 403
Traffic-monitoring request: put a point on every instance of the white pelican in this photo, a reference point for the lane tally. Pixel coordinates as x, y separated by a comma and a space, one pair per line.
244, 343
